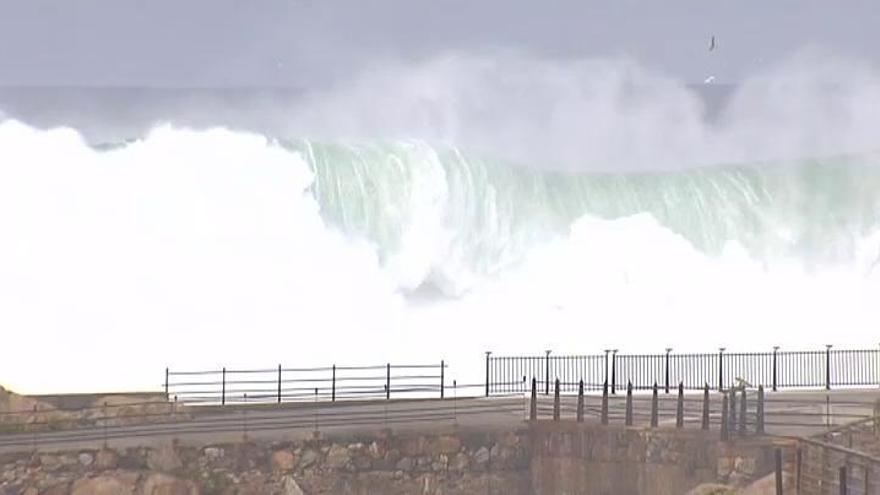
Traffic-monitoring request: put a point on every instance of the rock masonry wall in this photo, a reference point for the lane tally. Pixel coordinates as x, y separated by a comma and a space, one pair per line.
384, 464
545, 458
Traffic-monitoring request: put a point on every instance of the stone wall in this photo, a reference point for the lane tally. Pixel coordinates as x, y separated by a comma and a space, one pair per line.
570, 458
545, 458
388, 464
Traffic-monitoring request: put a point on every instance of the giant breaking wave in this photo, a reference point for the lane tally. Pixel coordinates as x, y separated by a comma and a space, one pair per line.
204, 248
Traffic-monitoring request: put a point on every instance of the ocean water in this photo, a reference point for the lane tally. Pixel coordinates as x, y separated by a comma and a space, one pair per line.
141, 229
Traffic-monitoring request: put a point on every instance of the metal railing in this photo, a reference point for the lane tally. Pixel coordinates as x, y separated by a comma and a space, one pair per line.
283, 384
828, 368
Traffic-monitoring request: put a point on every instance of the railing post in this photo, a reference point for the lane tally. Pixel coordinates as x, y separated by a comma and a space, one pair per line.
606, 365
827, 366
775, 352
705, 422
613, 371
488, 353
166, 383
760, 418
605, 403
679, 411
279, 384
629, 404
547, 372
668, 350
654, 412
333, 385
580, 407
724, 431
721, 369
778, 455
442, 377
842, 476
556, 400
742, 412
533, 403
223, 388
387, 381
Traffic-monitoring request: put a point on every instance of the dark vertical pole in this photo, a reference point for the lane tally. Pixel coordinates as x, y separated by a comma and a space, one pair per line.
556, 400
613, 371
654, 413
605, 403
778, 471
668, 350
442, 377
488, 353
629, 404
333, 385
166, 383
679, 411
606, 365
775, 352
760, 418
721, 368
742, 412
223, 388
279, 384
533, 404
387, 381
547, 372
724, 431
580, 409
705, 423
828, 367
842, 476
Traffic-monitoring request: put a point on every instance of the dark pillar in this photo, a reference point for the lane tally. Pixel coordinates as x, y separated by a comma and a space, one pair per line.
668, 350
828, 367
679, 411
547, 372
442, 377
760, 415
488, 353
556, 400
533, 403
580, 408
613, 371
605, 403
654, 413
775, 352
629, 404
705, 422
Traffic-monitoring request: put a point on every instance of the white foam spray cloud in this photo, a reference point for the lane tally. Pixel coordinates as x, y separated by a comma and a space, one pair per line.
604, 114
205, 248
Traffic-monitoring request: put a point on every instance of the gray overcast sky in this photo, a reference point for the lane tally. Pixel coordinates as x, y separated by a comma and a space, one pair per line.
296, 43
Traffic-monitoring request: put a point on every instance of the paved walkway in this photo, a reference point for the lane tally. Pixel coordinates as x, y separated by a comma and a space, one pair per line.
786, 413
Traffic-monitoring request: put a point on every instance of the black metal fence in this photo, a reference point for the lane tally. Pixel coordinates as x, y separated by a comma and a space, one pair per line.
775, 370
282, 384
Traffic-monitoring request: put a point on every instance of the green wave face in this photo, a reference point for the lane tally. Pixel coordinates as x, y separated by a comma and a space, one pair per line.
490, 212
